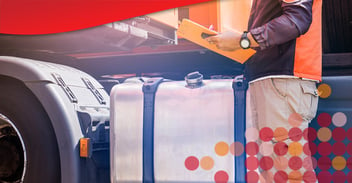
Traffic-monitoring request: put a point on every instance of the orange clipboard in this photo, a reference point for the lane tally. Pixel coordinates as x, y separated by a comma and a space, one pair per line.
193, 32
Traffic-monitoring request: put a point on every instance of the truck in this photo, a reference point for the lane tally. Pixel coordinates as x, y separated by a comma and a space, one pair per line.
54, 90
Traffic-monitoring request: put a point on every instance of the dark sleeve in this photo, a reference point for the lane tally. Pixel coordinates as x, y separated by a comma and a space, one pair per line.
295, 21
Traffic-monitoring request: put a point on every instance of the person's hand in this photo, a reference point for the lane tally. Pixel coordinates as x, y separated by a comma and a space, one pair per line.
227, 41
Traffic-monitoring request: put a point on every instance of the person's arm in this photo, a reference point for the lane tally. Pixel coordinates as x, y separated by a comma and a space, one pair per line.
295, 21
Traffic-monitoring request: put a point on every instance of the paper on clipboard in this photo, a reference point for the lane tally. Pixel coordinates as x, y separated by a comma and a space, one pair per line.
193, 32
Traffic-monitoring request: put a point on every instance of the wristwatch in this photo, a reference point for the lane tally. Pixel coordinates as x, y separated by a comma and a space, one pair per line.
244, 42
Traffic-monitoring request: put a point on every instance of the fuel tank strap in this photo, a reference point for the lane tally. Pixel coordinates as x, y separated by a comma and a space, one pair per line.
149, 89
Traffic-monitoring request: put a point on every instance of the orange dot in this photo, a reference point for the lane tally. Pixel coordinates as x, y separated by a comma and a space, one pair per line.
295, 148
280, 163
221, 148
280, 134
324, 90
207, 163
295, 119
295, 177
339, 163
266, 176
324, 134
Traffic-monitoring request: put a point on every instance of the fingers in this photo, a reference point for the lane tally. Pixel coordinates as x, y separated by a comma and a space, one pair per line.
213, 40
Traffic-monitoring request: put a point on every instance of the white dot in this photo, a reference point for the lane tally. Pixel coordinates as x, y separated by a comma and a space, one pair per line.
252, 134
339, 119
266, 148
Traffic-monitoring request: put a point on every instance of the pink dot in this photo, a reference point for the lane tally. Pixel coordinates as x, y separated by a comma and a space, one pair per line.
280, 148
339, 134
339, 148
251, 134
280, 177
309, 148
295, 163
309, 163
251, 163
281, 163
266, 134
349, 163
349, 134
192, 163
252, 177
324, 163
324, 119
309, 177
295, 134
252, 148
310, 134
349, 148
349, 177
324, 148
324, 177
338, 177
266, 163
221, 177
236, 148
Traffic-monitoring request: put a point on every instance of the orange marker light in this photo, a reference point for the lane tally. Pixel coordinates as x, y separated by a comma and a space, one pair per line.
84, 147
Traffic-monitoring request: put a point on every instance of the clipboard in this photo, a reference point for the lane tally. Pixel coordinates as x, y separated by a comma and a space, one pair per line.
196, 33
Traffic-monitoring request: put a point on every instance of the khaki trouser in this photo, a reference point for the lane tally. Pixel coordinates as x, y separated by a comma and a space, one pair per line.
280, 109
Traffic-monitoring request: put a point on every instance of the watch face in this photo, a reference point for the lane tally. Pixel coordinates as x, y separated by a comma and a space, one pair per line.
245, 43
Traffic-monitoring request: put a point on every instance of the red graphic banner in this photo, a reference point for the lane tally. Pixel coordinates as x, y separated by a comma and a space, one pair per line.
30, 17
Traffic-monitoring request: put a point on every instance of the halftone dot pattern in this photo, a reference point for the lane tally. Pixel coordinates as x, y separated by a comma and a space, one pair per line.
324, 90
295, 134
324, 163
252, 163
295, 177
295, 163
339, 134
349, 148
339, 119
324, 134
251, 134
349, 134
252, 148
221, 177
295, 120
309, 177
266, 163
236, 148
338, 177
207, 163
309, 148
281, 163
324, 148
324, 119
280, 134
349, 177
339, 148
280, 148
266, 176
266, 134
221, 148
349, 163
310, 134
192, 163
324, 177
295, 148
252, 177
280, 177
309, 163
266, 148
339, 163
